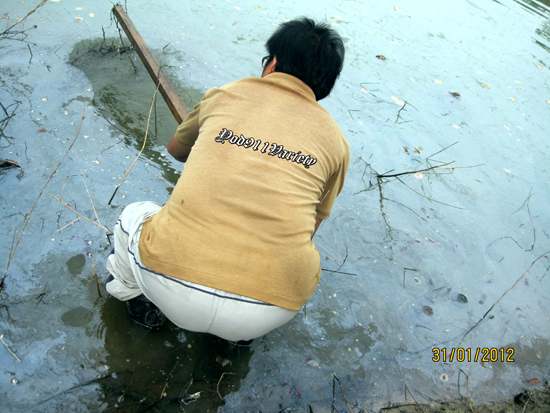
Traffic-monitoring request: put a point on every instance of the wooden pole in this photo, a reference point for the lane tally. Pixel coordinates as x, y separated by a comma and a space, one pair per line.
172, 98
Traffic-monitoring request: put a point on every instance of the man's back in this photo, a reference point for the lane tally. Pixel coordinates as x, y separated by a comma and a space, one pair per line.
268, 160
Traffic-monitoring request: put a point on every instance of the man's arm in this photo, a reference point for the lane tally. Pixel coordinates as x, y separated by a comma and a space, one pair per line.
179, 151
317, 223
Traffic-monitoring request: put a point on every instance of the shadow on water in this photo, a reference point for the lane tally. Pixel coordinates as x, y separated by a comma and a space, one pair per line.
123, 92
169, 370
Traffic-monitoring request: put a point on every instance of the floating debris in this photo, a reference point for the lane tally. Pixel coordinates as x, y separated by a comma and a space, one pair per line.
428, 310
455, 95
461, 298
381, 57
223, 361
187, 398
7, 163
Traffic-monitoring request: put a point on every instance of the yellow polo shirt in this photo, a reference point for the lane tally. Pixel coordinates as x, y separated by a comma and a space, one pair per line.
266, 160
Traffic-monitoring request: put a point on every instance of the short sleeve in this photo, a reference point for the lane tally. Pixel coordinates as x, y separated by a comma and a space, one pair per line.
334, 186
188, 131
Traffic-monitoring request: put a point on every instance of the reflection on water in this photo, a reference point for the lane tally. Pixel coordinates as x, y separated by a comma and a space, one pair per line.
544, 32
540, 7
123, 93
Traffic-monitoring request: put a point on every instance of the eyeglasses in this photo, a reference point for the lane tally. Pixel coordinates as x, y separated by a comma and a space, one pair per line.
265, 59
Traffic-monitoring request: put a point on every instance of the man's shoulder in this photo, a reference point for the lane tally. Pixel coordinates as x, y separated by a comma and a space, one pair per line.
244, 82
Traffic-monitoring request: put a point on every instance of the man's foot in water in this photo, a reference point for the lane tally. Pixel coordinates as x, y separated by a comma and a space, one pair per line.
145, 313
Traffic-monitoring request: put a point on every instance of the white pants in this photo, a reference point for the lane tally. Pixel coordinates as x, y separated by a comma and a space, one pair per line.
191, 306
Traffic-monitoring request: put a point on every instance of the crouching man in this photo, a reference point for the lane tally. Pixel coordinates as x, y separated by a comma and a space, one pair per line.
231, 252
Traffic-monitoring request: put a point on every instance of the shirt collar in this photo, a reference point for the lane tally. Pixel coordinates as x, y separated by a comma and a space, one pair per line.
291, 82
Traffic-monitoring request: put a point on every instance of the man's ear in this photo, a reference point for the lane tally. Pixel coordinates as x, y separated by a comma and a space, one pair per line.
270, 68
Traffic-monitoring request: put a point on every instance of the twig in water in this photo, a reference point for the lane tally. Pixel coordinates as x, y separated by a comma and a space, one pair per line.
445, 148
96, 281
467, 388
405, 274
121, 41
351, 114
86, 383
76, 212
63, 188
428, 198
23, 19
142, 148
164, 180
70, 223
170, 375
532, 247
337, 272
502, 296
407, 390
86, 186
219, 381
399, 112
414, 172
43, 293
30, 60
334, 377
12, 353
24, 295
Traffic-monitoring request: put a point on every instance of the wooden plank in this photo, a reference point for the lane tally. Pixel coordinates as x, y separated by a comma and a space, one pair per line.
173, 99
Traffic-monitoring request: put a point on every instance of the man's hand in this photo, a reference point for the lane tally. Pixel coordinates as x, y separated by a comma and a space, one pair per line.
179, 151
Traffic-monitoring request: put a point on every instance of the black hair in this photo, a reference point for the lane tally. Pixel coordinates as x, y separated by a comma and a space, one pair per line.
312, 52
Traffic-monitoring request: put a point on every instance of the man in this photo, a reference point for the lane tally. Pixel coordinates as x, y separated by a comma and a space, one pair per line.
231, 252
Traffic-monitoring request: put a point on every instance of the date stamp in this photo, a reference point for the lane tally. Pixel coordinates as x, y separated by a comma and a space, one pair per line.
486, 354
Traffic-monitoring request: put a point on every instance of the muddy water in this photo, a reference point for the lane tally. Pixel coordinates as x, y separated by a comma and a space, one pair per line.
442, 258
